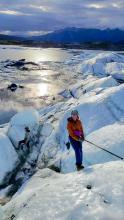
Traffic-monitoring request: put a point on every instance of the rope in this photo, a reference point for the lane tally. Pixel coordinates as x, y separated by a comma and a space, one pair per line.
104, 149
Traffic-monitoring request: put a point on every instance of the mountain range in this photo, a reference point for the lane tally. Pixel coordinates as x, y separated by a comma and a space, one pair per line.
10, 38
74, 35
81, 35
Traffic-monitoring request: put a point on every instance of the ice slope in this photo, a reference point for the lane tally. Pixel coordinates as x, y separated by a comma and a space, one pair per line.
28, 117
8, 157
9, 139
90, 84
110, 137
103, 83
116, 69
96, 111
103, 63
19, 121
49, 195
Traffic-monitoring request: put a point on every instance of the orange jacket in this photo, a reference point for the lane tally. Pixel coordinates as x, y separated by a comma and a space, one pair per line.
73, 126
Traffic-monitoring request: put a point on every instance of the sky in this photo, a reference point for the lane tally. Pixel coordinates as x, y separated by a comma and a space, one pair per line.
37, 17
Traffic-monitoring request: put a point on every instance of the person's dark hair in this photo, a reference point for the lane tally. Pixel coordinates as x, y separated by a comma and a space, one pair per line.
27, 129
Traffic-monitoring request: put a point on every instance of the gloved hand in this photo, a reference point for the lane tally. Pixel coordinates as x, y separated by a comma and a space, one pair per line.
68, 145
81, 139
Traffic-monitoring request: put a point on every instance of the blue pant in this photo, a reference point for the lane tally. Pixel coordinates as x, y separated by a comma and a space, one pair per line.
77, 146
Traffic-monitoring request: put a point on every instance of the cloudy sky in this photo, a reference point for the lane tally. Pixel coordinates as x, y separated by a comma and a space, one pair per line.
34, 17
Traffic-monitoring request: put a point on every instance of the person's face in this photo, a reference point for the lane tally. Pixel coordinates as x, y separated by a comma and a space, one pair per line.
75, 117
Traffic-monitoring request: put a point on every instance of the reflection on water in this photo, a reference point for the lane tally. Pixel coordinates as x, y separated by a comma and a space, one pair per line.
42, 89
40, 85
33, 54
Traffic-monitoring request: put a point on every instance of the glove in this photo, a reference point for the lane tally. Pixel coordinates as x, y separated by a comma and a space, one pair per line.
81, 139
68, 145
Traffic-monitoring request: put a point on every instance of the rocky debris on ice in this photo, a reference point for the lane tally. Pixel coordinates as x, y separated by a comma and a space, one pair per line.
13, 87
22, 65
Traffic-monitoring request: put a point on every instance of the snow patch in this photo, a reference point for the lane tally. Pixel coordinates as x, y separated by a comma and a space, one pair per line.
49, 195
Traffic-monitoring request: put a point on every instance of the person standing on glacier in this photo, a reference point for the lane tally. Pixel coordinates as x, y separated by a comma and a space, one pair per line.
76, 137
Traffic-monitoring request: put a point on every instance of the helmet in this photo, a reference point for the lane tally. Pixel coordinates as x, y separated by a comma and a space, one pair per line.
27, 129
74, 112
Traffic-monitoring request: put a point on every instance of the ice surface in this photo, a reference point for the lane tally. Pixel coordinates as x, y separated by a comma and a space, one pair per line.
28, 118
8, 156
62, 197
98, 97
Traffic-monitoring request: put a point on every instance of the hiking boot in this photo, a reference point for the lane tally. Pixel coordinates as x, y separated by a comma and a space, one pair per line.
80, 167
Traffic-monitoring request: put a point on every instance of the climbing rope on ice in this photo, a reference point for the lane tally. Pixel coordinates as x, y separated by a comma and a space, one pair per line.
104, 149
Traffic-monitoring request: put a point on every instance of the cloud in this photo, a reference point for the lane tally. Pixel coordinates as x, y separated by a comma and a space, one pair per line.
36, 33
10, 12
97, 6
41, 8
24, 33
47, 15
